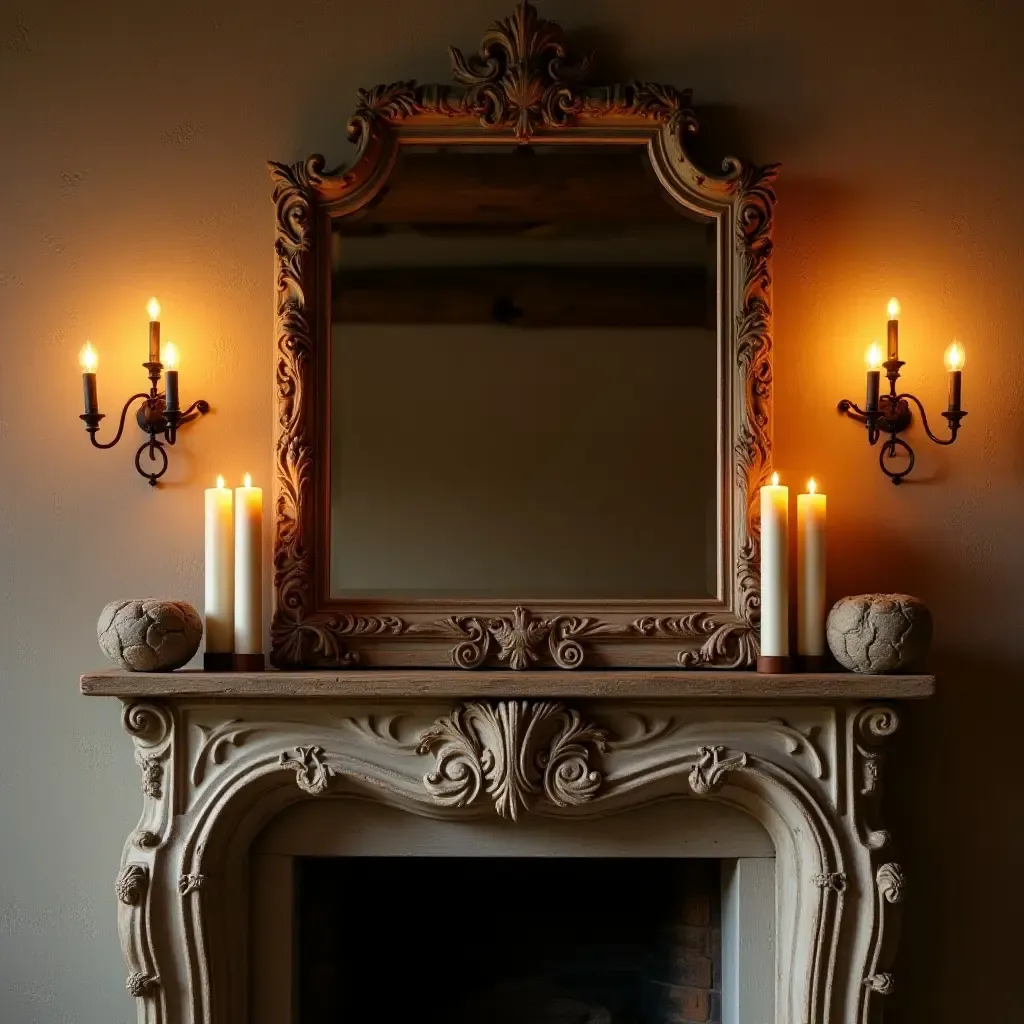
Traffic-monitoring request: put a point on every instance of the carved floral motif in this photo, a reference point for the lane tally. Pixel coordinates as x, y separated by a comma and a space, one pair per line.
522, 75
144, 839
513, 750
832, 880
890, 882
139, 984
882, 983
191, 883
131, 884
152, 775
706, 775
312, 773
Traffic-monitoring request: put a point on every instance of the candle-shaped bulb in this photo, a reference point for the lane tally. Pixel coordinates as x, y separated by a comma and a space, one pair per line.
170, 356
88, 358
893, 309
955, 357
812, 486
153, 309
873, 356
247, 480
775, 479
220, 483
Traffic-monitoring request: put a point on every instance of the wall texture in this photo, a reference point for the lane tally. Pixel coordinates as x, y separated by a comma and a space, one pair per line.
134, 138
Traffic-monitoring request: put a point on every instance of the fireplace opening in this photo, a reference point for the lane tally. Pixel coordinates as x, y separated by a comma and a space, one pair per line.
538, 940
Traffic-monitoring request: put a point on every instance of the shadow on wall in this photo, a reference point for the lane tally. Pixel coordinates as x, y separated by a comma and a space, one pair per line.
950, 806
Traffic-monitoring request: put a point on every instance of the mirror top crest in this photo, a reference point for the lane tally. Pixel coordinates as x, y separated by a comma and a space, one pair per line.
524, 84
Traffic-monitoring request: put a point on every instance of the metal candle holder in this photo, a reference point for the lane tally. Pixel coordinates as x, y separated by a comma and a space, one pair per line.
159, 415
890, 414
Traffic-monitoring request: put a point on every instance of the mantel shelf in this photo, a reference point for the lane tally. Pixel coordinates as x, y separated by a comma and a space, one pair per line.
376, 683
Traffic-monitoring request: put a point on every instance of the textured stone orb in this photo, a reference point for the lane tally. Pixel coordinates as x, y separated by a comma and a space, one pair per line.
878, 633
149, 634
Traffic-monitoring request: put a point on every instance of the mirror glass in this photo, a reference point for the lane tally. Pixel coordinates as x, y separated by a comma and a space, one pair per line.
523, 382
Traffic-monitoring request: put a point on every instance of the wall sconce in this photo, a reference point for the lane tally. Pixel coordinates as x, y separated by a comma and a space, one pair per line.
160, 414
891, 414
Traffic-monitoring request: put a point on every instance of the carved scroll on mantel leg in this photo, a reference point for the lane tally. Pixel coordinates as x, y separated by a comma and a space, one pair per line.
151, 727
867, 731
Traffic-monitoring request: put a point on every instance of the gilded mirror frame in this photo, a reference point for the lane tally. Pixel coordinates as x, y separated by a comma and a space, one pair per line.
522, 86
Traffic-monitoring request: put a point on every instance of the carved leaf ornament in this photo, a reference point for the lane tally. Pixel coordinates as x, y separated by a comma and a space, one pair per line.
512, 751
523, 82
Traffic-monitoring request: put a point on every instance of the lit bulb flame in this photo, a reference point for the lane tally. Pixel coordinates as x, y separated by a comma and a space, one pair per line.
812, 486
153, 309
88, 358
955, 357
170, 355
775, 479
873, 356
893, 309
248, 480
220, 482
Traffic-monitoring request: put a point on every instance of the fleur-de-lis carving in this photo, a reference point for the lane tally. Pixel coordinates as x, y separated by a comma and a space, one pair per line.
522, 75
519, 637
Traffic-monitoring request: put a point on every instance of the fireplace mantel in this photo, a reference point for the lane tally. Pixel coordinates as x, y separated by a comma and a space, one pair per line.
368, 684
221, 755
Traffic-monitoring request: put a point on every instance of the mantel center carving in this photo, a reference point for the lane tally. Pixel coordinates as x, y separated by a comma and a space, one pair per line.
513, 751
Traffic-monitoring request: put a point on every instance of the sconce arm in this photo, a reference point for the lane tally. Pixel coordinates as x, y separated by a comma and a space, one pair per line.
953, 418
92, 422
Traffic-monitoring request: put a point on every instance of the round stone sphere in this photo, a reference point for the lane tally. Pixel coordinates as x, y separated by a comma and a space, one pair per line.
149, 634
879, 633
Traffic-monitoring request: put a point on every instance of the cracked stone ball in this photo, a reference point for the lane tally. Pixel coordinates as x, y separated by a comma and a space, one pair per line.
879, 633
149, 634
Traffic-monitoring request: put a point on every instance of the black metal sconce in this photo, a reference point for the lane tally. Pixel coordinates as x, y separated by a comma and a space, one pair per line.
891, 414
160, 414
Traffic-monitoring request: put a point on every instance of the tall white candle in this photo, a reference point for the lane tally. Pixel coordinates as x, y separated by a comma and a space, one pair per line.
220, 569
248, 569
810, 562
775, 569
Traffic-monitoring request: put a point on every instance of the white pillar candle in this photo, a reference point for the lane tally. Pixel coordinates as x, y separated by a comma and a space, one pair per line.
775, 570
810, 562
248, 569
220, 569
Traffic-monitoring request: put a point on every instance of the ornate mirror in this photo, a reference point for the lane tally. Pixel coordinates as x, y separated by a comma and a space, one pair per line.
523, 377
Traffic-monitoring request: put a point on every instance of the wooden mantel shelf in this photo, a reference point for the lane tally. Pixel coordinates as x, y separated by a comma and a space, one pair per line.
375, 683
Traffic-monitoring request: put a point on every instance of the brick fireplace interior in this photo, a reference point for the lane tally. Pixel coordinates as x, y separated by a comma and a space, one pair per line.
535, 940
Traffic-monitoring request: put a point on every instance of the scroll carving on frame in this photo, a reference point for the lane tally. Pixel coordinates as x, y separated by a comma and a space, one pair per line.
525, 84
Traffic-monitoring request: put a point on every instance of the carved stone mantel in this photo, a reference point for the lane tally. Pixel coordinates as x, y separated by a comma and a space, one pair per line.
214, 772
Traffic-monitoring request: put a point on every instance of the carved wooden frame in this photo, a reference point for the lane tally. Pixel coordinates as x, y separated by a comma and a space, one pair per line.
522, 86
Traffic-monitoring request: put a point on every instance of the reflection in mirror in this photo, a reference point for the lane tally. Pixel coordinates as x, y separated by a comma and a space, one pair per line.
524, 383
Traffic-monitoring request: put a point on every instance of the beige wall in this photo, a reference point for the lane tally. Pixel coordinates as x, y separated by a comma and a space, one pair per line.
133, 140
